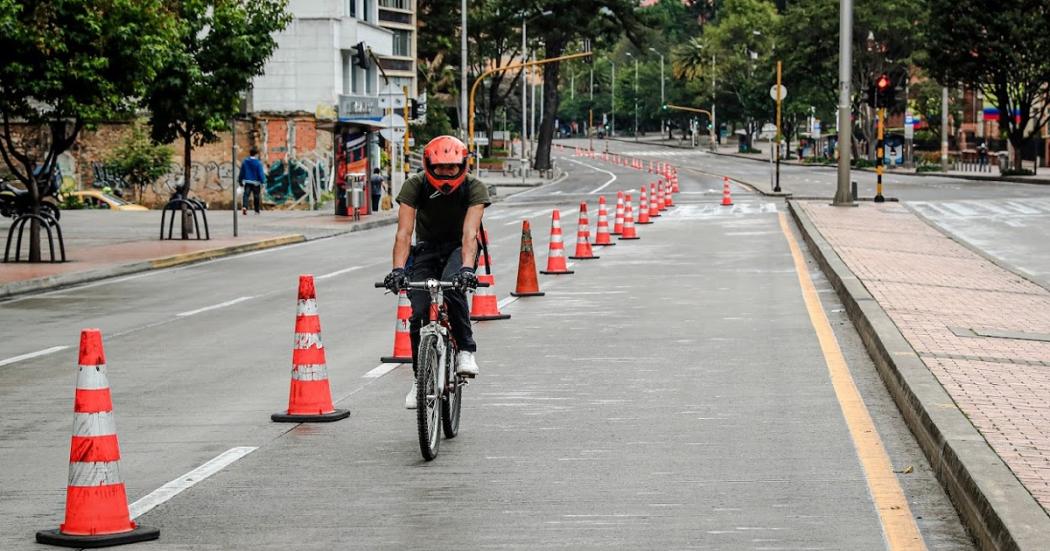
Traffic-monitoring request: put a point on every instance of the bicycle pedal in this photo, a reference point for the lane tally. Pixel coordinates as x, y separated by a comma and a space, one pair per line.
465, 376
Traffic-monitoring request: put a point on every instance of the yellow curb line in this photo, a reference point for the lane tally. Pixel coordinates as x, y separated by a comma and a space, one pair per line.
898, 523
197, 256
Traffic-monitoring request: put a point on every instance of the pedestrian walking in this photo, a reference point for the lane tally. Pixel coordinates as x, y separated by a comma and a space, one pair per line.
252, 178
376, 185
982, 155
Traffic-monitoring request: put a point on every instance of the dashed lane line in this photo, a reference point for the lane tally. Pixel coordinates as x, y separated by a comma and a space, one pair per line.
214, 307
31, 355
186, 481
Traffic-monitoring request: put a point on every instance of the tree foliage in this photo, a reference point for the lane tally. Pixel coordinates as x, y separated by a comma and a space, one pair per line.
139, 159
1001, 49
66, 65
220, 45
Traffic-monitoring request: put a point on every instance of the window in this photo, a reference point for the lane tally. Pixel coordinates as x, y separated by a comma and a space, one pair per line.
351, 8
402, 43
368, 9
395, 4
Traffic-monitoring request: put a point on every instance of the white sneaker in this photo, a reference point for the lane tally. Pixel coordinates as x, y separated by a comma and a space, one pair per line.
465, 364
410, 398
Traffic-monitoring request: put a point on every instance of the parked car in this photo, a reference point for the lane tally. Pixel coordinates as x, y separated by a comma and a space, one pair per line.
96, 199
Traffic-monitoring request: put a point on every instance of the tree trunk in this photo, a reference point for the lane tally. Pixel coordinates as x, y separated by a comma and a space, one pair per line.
550, 111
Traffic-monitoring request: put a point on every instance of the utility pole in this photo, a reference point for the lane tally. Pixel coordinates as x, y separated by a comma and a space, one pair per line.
776, 183
663, 101
524, 97
463, 68
842, 192
944, 128
612, 103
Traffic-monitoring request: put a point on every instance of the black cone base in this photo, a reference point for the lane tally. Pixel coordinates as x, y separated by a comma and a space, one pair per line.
566, 272
629, 238
536, 294
396, 360
592, 257
336, 415
610, 244
54, 537
490, 318
644, 223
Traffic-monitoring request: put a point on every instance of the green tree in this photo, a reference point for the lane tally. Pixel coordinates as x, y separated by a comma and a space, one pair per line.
66, 65
220, 46
140, 160
1001, 49
741, 39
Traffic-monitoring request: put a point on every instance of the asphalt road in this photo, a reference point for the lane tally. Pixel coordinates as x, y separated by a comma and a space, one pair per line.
670, 395
1009, 222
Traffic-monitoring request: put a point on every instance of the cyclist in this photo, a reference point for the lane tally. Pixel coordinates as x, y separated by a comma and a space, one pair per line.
443, 205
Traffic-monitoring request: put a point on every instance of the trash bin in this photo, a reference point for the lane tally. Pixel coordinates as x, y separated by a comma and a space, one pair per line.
741, 145
1004, 160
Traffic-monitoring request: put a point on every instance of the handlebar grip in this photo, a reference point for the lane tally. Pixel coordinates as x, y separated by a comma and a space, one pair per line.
483, 284
380, 285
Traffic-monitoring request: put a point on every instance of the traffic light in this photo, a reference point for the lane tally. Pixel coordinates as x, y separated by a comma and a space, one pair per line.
885, 92
360, 55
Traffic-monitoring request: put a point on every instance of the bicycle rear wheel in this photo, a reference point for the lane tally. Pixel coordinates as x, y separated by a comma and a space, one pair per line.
428, 397
452, 402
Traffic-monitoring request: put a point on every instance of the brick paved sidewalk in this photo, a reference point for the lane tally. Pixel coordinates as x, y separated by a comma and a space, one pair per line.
983, 331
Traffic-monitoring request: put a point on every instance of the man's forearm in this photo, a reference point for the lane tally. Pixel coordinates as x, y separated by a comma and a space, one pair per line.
470, 249
401, 250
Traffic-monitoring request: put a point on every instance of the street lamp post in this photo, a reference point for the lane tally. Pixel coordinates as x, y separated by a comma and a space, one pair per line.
842, 192
612, 104
663, 121
635, 95
463, 67
524, 96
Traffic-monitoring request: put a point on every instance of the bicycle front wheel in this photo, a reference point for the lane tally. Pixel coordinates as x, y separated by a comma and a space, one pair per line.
428, 397
452, 402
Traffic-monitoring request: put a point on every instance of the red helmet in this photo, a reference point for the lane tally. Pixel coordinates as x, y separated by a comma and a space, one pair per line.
445, 150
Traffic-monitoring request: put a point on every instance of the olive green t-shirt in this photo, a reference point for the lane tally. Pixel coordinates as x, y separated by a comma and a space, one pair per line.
440, 219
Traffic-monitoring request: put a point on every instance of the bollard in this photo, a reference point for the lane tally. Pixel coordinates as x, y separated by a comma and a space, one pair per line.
853, 189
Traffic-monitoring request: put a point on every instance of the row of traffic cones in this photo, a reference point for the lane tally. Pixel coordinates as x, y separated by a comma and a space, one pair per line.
97, 512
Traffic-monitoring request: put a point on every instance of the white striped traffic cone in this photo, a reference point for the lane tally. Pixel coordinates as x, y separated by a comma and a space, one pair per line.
556, 254
97, 512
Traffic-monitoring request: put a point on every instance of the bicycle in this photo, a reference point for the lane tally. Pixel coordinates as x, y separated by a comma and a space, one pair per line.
439, 390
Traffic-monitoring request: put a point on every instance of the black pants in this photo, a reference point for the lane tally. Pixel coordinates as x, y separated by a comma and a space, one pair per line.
375, 202
440, 261
255, 190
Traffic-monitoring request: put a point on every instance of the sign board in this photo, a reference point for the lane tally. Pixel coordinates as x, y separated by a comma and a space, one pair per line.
392, 127
352, 106
773, 91
392, 96
909, 127
815, 132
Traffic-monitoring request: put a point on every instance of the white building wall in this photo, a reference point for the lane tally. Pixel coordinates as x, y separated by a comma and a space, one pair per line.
305, 73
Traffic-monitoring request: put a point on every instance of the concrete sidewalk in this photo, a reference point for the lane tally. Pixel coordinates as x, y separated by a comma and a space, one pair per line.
964, 346
101, 244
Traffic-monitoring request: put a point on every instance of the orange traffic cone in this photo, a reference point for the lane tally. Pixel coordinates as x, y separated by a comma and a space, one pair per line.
602, 237
669, 196
583, 236
654, 209
674, 183
96, 501
484, 305
527, 286
618, 222
661, 196
309, 397
556, 254
727, 198
402, 338
629, 231
643, 208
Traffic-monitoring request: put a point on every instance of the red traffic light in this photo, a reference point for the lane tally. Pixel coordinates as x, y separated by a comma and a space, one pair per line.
882, 83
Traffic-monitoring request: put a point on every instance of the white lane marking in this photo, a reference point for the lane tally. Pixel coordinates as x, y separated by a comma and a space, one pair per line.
380, 370
214, 306
601, 187
30, 355
184, 482
339, 272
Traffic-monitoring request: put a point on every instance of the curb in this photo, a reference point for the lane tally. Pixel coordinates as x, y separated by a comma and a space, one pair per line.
996, 508
974, 177
50, 283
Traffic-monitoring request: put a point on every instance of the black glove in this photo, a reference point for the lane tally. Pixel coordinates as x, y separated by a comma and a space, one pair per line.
396, 280
466, 278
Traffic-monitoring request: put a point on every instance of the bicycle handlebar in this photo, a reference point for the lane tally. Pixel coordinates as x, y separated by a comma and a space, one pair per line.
423, 285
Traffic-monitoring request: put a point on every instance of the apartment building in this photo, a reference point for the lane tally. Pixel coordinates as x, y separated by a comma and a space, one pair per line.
399, 17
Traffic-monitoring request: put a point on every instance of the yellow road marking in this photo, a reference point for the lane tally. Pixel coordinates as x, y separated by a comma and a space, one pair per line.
898, 524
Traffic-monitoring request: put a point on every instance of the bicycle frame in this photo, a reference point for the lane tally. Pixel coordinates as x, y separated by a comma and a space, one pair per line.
438, 325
